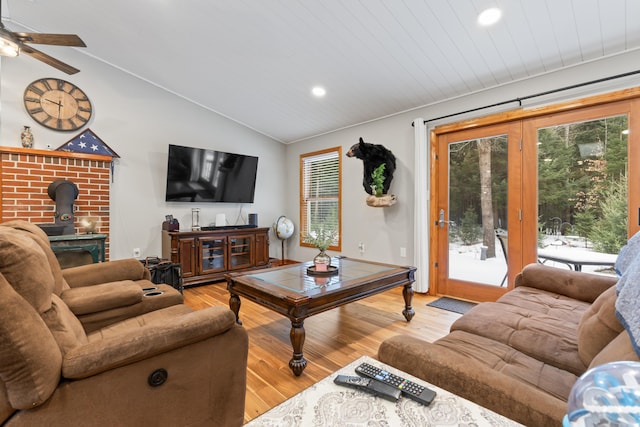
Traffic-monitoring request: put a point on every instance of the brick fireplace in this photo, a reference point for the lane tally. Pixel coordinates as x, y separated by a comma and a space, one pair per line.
25, 175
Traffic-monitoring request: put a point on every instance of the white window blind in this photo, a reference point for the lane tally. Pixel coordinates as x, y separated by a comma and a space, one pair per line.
320, 194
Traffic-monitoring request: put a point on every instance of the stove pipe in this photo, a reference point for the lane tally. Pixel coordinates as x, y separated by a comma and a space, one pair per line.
64, 192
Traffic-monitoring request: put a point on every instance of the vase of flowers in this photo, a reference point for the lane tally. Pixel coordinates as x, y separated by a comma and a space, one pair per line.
321, 238
322, 261
26, 137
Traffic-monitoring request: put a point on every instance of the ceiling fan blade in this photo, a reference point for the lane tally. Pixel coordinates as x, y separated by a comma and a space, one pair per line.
52, 39
50, 60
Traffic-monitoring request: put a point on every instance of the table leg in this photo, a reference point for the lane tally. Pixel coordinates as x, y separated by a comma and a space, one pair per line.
407, 293
297, 334
234, 305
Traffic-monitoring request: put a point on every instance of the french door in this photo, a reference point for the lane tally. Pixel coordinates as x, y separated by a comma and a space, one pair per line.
585, 177
502, 190
479, 198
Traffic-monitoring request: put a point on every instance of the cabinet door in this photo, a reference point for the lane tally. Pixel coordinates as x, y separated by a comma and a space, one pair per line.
186, 248
241, 251
212, 254
261, 256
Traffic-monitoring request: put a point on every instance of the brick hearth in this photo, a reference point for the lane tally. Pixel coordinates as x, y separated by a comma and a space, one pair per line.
25, 175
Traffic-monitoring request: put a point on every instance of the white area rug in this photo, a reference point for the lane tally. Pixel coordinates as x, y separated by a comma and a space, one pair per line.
327, 404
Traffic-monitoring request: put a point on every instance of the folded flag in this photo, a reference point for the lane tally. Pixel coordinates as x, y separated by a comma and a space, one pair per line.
89, 143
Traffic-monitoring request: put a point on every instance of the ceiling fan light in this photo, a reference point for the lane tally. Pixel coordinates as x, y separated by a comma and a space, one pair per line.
8, 48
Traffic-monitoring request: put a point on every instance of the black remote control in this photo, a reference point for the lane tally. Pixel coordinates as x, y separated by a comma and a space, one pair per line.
374, 387
409, 389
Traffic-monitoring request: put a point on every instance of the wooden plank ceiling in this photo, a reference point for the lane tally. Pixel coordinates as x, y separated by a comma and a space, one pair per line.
255, 61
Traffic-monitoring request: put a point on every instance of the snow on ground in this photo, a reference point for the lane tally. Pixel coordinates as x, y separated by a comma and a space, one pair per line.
466, 263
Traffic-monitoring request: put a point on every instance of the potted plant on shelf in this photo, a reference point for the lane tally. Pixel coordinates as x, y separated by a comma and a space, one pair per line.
377, 180
378, 198
321, 239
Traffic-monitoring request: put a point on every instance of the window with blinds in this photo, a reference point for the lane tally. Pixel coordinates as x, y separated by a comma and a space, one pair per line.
320, 195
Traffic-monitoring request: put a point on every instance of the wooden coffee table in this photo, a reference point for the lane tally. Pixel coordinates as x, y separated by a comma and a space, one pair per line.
290, 291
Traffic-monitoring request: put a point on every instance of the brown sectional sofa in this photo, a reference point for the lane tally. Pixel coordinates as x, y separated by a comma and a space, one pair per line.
98, 294
520, 356
130, 363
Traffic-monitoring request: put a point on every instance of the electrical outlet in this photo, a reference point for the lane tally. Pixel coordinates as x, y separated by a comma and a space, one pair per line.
136, 252
361, 247
403, 252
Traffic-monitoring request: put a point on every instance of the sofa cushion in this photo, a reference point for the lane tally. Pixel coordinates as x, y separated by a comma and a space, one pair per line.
620, 348
169, 297
502, 358
5, 407
598, 326
577, 285
133, 323
488, 373
540, 324
40, 237
30, 361
64, 325
25, 266
105, 296
112, 271
149, 334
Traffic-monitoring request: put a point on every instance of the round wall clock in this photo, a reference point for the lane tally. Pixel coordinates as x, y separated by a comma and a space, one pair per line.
57, 104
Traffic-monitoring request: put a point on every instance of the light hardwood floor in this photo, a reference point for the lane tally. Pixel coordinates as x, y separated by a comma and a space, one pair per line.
333, 338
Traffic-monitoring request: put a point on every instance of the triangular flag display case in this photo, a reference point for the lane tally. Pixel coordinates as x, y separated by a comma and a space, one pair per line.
89, 143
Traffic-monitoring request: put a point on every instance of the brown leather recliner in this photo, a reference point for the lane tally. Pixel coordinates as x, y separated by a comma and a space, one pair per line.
169, 367
104, 293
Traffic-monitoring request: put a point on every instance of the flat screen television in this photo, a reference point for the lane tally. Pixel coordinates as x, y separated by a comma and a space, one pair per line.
200, 175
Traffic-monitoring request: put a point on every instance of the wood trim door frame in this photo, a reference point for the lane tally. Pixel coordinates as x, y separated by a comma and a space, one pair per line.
458, 288
523, 251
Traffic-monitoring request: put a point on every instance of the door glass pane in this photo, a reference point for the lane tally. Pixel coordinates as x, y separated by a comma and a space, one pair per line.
212, 254
477, 210
239, 251
582, 193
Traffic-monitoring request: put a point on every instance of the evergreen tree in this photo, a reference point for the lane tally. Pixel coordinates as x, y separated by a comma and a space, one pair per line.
610, 232
469, 231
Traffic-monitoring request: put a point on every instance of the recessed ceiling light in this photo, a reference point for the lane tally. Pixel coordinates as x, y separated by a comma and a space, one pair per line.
318, 91
489, 16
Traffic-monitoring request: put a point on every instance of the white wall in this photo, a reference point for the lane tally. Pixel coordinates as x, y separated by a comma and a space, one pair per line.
138, 121
382, 230
385, 230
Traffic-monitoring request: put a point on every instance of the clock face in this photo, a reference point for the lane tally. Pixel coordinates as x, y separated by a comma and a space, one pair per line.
57, 104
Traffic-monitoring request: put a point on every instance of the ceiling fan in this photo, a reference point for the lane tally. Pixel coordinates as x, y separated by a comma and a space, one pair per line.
12, 43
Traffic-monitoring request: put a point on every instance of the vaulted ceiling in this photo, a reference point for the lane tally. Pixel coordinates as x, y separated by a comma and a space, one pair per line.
255, 61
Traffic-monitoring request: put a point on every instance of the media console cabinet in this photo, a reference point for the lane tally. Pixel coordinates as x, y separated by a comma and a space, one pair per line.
206, 256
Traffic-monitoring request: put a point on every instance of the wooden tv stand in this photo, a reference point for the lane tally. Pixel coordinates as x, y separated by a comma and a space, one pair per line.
206, 256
